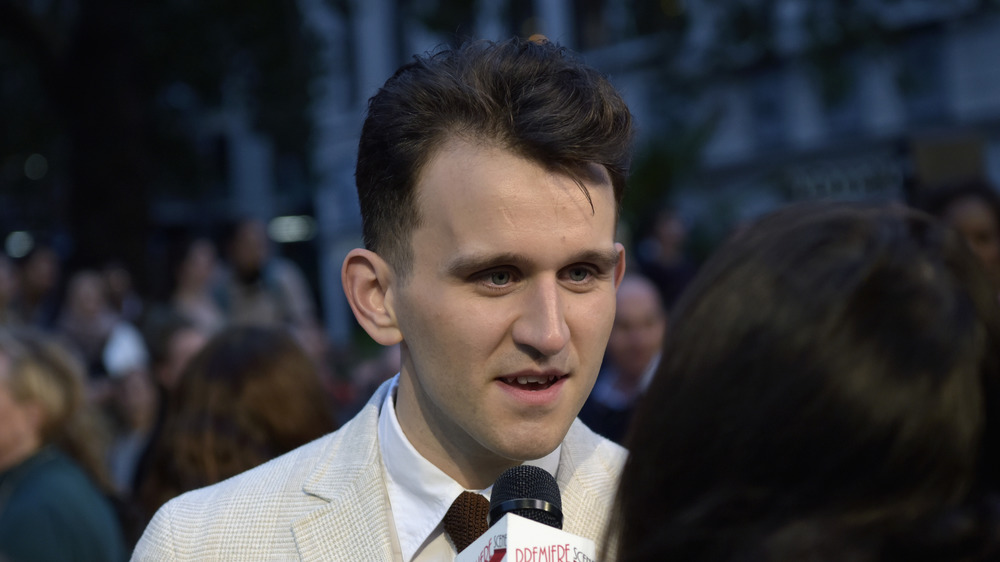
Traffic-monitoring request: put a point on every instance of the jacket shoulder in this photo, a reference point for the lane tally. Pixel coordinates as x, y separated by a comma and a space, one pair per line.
251, 515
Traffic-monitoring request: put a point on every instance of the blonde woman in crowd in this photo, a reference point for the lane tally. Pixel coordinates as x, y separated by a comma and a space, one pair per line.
53, 487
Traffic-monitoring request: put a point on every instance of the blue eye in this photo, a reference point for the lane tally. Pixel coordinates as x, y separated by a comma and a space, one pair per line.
579, 274
500, 277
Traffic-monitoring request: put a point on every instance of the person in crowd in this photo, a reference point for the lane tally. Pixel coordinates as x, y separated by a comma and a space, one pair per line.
829, 392
8, 293
121, 293
973, 209
630, 360
196, 276
87, 319
132, 408
54, 502
489, 178
172, 341
661, 255
251, 394
261, 288
39, 299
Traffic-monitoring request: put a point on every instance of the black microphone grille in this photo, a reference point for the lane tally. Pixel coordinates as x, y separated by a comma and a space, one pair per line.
528, 491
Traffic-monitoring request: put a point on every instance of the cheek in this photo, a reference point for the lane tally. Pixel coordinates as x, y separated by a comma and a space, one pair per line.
593, 331
13, 425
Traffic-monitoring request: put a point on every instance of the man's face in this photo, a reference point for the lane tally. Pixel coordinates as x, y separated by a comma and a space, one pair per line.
639, 329
507, 309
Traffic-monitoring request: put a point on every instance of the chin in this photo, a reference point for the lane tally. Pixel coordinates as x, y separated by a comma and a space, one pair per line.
531, 446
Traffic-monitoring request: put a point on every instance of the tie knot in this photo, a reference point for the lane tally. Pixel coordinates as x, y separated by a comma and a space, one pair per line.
466, 519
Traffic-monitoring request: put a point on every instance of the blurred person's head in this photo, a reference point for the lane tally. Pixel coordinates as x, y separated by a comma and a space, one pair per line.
196, 267
639, 329
8, 280
250, 395
39, 272
669, 233
117, 283
828, 392
125, 358
86, 295
173, 340
973, 209
42, 402
248, 249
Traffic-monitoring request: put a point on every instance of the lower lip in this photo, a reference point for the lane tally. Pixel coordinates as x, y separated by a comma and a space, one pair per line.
542, 397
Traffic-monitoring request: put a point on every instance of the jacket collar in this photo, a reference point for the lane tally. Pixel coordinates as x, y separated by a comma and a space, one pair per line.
355, 524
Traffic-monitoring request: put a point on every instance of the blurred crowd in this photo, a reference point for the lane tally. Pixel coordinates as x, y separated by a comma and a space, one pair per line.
113, 402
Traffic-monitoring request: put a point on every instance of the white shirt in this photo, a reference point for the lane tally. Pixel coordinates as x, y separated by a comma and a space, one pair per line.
421, 493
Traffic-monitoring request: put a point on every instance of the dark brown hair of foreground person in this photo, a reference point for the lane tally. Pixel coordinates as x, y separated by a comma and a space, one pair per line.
829, 393
250, 395
500, 94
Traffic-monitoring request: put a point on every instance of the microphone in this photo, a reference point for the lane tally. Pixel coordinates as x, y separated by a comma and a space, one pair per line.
526, 523
528, 491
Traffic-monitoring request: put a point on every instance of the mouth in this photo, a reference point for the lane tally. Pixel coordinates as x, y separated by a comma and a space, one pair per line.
532, 382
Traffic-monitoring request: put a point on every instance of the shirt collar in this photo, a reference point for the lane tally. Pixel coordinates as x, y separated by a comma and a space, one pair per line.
419, 492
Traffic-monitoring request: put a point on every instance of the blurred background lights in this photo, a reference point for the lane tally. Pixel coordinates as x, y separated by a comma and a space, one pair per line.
18, 244
299, 228
35, 167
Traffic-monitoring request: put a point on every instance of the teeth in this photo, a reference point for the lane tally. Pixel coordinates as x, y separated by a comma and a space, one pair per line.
535, 379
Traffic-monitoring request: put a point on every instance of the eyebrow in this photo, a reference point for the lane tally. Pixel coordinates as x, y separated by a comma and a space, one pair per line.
467, 264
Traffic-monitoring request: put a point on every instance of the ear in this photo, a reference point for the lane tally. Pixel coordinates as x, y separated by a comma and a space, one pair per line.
620, 266
367, 281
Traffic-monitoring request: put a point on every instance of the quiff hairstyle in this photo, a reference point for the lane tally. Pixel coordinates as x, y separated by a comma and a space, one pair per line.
533, 98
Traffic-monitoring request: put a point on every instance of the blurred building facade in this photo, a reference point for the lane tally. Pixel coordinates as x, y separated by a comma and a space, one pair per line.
796, 98
787, 99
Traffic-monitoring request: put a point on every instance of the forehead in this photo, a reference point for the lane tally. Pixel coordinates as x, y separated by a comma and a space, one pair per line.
637, 294
637, 302
500, 189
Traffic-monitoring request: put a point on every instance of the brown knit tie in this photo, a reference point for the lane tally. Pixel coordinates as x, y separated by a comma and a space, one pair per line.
466, 519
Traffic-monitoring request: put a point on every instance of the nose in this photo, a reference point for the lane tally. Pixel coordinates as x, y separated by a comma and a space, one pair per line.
542, 326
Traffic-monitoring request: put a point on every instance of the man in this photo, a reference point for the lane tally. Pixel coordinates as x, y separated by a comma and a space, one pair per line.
261, 288
489, 178
632, 356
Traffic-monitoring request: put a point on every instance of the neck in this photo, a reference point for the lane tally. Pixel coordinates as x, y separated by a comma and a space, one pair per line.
18, 454
466, 461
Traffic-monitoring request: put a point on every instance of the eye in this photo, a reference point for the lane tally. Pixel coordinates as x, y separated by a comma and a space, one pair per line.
500, 278
578, 274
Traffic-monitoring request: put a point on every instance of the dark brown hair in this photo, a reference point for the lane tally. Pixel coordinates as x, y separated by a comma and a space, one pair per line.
829, 392
250, 395
533, 98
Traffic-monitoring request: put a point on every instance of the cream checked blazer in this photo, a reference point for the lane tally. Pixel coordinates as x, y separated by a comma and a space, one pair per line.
327, 501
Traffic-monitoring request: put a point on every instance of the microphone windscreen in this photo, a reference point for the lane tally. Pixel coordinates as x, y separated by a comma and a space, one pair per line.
528, 491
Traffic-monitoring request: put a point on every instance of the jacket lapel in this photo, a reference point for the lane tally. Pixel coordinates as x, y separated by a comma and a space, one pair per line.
588, 481
355, 524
